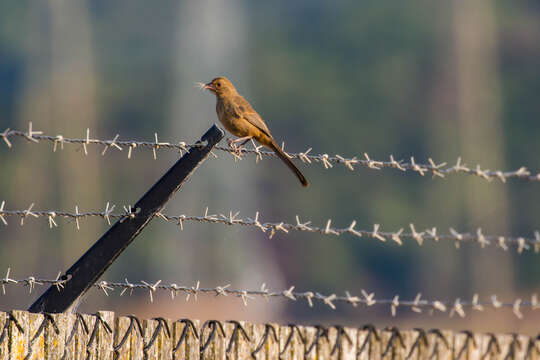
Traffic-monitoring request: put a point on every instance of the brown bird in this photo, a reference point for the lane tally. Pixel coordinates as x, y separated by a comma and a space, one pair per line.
241, 120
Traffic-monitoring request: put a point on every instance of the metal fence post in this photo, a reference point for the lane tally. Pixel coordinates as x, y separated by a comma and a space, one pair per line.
89, 268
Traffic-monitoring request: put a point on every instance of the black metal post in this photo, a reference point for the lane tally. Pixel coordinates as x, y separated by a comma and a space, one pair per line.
89, 268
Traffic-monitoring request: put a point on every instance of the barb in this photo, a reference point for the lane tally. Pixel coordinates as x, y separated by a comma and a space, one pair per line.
431, 167
271, 228
36, 136
418, 304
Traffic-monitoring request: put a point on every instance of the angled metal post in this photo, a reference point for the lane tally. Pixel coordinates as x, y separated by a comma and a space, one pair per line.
89, 268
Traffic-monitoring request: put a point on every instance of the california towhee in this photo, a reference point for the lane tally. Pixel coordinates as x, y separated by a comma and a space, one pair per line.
241, 120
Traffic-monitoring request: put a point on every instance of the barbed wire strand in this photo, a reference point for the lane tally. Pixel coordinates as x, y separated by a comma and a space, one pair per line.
431, 167
521, 244
418, 304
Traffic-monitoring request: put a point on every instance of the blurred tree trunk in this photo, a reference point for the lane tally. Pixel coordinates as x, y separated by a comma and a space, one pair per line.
222, 254
467, 122
31, 174
481, 134
59, 98
73, 89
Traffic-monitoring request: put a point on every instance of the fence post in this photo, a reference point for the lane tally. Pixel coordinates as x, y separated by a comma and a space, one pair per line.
89, 268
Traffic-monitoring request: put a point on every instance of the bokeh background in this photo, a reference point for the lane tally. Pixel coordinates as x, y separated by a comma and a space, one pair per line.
436, 79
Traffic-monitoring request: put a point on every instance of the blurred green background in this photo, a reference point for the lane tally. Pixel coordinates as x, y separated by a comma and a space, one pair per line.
426, 79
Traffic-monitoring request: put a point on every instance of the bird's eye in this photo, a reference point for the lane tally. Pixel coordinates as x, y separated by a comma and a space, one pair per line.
218, 84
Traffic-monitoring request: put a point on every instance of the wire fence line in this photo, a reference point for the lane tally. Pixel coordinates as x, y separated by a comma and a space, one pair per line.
417, 305
431, 167
521, 244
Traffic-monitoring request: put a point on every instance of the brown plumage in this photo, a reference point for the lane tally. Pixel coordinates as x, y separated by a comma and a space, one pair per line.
241, 120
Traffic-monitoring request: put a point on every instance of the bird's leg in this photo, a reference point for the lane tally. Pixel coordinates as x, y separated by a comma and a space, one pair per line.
242, 140
245, 141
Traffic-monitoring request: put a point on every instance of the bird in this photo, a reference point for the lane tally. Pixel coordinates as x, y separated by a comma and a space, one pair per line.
241, 120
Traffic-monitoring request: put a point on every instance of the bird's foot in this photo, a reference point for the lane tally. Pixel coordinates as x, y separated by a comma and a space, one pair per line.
237, 149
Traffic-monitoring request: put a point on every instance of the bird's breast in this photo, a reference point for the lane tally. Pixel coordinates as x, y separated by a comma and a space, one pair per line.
231, 121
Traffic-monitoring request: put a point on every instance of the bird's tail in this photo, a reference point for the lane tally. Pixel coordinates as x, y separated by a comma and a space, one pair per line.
281, 154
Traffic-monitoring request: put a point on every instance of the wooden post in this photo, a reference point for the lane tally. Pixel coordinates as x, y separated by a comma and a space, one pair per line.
4, 335
19, 330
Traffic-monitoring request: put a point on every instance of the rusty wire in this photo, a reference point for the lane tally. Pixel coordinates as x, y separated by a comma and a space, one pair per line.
417, 305
430, 167
271, 228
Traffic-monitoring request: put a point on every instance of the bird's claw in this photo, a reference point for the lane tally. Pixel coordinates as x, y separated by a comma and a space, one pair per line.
236, 149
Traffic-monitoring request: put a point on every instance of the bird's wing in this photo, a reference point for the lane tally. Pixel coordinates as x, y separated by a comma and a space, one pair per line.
243, 109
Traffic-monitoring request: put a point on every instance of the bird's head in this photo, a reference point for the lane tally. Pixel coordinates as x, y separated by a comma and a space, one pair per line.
220, 86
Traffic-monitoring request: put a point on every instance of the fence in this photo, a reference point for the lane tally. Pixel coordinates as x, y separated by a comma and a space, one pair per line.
102, 335
460, 307
437, 170
27, 335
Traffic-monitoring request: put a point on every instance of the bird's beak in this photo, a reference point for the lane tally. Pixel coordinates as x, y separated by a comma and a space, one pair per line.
210, 87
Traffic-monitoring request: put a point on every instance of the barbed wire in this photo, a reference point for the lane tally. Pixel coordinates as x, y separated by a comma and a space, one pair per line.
418, 304
271, 228
431, 167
